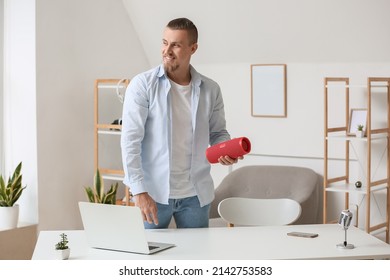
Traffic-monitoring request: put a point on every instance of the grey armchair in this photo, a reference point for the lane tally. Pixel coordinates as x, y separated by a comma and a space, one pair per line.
265, 181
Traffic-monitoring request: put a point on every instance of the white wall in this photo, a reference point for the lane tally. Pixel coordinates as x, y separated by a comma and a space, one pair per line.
263, 31
77, 42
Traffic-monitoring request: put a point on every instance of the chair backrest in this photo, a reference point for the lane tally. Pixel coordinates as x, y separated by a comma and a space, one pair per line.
259, 212
268, 182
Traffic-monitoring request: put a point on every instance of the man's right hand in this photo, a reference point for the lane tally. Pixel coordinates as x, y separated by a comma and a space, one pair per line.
148, 207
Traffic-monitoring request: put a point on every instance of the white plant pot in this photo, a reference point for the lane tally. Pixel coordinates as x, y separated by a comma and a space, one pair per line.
360, 134
9, 217
63, 254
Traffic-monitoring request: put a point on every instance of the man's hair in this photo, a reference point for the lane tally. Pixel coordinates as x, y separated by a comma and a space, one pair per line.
185, 24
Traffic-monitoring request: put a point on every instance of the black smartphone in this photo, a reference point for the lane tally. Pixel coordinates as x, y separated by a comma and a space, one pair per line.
302, 234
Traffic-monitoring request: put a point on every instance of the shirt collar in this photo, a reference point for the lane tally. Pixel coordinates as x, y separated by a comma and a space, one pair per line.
196, 78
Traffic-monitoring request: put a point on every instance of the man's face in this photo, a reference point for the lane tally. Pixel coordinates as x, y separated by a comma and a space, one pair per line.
176, 50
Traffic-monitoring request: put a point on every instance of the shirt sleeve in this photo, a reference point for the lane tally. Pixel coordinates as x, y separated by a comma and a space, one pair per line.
218, 132
134, 115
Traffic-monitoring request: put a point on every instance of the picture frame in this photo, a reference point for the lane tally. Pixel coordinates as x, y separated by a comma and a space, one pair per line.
357, 117
268, 90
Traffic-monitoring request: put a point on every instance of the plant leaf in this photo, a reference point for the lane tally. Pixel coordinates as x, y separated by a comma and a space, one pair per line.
11, 191
110, 197
90, 194
99, 185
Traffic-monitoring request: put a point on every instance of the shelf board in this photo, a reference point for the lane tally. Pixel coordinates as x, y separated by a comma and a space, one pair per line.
114, 177
112, 174
110, 86
109, 132
350, 188
340, 84
354, 138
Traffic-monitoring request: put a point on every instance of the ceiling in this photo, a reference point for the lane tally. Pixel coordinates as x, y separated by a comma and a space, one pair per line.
262, 31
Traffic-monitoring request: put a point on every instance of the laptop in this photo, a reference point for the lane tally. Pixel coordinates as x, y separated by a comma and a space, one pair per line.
118, 228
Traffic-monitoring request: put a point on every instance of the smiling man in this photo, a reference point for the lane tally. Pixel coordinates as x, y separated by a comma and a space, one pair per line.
171, 114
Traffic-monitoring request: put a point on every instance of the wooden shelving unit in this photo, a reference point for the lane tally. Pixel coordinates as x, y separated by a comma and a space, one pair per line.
342, 184
107, 129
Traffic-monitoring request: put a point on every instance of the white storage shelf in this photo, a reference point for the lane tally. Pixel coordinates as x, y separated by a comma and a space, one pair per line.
342, 184
104, 129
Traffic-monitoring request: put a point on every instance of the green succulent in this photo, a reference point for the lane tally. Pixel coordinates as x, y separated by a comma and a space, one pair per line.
63, 244
11, 191
96, 193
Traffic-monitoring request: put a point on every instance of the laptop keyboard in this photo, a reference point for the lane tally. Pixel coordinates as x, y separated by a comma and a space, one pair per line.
153, 247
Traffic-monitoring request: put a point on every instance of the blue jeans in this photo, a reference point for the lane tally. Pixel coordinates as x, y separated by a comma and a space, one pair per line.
186, 212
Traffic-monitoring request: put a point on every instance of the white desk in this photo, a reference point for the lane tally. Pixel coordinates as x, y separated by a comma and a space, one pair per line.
240, 243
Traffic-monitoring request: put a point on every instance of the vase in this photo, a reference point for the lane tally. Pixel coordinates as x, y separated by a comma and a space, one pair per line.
9, 217
63, 254
360, 133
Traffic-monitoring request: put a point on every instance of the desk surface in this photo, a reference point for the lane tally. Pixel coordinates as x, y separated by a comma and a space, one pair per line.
241, 243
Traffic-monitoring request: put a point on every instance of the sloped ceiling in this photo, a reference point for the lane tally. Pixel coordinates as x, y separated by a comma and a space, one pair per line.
263, 31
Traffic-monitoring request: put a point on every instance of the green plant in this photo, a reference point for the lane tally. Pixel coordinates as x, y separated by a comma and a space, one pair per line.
360, 127
11, 191
96, 193
63, 243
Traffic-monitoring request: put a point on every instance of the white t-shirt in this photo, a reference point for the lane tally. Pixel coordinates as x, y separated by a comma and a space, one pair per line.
182, 135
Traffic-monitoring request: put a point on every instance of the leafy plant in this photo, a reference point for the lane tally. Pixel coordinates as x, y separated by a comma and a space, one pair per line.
96, 193
63, 243
11, 191
360, 127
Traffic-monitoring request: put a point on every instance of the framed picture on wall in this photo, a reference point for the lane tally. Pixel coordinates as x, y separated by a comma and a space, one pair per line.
269, 90
357, 117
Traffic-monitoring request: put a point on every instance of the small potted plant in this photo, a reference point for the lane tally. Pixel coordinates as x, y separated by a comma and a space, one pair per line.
10, 192
360, 131
62, 247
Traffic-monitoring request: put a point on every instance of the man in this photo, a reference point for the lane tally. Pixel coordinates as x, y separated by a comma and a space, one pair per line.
171, 114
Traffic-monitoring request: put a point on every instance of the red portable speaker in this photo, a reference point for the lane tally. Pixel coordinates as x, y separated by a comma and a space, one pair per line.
233, 148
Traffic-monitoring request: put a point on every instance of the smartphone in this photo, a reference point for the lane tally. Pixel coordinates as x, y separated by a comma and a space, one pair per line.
302, 234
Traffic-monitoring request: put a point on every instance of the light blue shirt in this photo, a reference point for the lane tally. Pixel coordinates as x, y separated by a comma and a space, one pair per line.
146, 133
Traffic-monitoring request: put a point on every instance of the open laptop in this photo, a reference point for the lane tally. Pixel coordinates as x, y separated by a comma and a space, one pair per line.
117, 227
